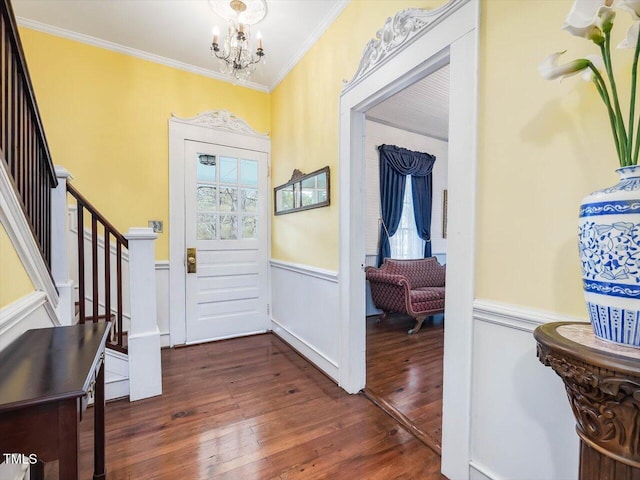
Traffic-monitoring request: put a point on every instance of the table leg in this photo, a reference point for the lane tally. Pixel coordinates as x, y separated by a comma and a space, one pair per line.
99, 472
68, 438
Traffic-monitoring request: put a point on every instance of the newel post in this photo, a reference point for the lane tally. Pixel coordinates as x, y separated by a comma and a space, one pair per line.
60, 270
145, 369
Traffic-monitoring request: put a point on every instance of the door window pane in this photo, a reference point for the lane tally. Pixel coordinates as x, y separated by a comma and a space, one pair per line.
206, 226
249, 201
249, 172
228, 170
249, 227
206, 170
228, 227
228, 199
207, 197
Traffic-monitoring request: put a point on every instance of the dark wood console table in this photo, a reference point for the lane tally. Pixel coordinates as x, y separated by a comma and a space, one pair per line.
602, 380
46, 376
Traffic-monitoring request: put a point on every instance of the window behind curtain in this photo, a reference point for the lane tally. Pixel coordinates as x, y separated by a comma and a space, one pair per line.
406, 243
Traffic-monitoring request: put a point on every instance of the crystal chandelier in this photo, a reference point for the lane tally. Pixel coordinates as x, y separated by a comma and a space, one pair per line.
235, 51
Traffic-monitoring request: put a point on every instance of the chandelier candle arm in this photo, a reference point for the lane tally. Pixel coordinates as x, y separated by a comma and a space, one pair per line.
234, 49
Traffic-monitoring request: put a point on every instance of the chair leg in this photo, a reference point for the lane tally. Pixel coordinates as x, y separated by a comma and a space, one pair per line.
382, 317
418, 324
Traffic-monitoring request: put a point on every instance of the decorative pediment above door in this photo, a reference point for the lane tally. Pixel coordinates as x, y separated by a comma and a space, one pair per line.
220, 119
397, 33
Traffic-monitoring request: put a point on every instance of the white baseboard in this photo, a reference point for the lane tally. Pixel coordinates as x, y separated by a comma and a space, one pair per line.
308, 351
165, 339
116, 387
480, 472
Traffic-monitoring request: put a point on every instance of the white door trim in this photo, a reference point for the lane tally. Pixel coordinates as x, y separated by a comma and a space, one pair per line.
409, 47
219, 127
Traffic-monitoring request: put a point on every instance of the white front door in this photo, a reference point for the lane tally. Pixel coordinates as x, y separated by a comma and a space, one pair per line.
226, 222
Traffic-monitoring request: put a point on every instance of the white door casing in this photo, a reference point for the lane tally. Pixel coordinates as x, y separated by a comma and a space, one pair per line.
408, 48
215, 127
226, 214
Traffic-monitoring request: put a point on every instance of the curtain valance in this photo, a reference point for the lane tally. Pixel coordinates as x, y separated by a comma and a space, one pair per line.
395, 164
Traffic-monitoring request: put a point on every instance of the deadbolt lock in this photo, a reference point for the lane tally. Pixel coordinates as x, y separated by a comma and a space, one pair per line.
191, 260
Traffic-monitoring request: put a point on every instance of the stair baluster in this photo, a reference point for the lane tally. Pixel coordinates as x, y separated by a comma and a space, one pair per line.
116, 339
23, 145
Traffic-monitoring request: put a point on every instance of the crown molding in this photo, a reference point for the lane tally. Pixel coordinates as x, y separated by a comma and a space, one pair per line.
311, 40
396, 34
116, 47
220, 119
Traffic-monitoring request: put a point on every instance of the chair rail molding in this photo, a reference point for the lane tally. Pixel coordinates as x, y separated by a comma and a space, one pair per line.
397, 33
515, 316
220, 119
321, 273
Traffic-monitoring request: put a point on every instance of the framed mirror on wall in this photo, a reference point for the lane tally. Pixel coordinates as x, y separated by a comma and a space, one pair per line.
303, 192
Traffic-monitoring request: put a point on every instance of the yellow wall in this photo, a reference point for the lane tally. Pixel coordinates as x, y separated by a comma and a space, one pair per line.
106, 119
305, 126
543, 146
14, 281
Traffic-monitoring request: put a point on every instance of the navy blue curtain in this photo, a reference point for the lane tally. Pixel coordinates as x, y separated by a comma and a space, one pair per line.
395, 164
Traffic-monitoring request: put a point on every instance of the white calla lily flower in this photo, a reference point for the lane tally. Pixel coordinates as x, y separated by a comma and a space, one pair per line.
631, 6
590, 18
593, 20
631, 39
550, 70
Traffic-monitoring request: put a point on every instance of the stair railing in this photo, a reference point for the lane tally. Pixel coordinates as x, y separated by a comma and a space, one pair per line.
23, 144
116, 340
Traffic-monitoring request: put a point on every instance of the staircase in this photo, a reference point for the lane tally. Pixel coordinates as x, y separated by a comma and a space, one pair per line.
90, 273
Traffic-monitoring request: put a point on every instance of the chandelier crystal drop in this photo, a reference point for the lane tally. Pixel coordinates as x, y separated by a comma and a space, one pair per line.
236, 51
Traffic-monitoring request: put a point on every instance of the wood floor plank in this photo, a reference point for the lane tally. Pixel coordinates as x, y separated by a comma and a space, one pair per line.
252, 408
404, 372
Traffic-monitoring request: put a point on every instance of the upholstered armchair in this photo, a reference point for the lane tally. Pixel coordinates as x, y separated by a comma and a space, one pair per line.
413, 287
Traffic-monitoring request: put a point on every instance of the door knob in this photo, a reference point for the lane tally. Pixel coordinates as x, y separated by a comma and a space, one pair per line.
191, 260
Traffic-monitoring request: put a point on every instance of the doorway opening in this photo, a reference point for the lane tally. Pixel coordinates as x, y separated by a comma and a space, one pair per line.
399, 58
404, 371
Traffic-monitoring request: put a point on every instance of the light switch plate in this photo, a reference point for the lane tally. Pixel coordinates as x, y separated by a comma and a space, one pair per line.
156, 225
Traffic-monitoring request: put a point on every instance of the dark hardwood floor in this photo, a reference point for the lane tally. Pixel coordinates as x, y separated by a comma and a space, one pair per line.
404, 373
251, 408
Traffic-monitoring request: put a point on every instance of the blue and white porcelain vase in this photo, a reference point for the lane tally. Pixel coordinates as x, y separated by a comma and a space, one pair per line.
609, 237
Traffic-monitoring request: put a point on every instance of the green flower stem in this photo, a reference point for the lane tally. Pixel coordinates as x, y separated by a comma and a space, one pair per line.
620, 129
634, 75
601, 86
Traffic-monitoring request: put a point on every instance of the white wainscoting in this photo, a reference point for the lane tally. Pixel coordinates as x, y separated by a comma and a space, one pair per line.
304, 312
522, 427
30, 311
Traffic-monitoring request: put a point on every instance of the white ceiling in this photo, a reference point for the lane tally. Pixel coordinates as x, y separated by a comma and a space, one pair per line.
179, 32
420, 108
